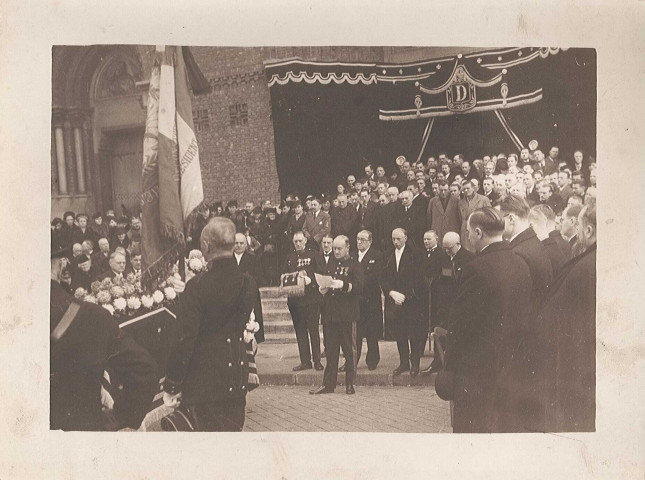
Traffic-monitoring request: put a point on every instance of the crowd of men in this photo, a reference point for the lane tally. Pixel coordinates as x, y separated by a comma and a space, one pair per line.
499, 252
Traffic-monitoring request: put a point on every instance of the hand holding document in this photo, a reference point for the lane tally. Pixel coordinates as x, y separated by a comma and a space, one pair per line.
324, 281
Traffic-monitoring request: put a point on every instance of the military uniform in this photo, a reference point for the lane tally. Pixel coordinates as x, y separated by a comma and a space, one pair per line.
340, 314
306, 310
80, 352
209, 364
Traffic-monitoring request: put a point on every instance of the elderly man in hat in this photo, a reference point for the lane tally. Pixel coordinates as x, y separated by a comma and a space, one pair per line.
84, 341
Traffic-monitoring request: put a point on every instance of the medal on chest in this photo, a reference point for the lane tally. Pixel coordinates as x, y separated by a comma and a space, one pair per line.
341, 271
304, 262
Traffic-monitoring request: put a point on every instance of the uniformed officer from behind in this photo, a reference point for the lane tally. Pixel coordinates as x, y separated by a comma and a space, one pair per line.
207, 371
341, 312
305, 310
85, 341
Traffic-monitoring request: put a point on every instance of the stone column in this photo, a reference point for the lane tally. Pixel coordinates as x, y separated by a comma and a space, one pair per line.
59, 142
79, 151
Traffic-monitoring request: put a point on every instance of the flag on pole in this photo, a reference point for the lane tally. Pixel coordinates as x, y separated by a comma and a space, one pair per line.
171, 181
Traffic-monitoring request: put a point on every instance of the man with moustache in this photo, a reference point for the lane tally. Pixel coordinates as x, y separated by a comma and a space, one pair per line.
306, 309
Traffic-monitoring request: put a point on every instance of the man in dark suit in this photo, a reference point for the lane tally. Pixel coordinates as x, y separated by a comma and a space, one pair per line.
542, 220
248, 264
532, 195
208, 369
442, 214
341, 312
446, 284
370, 325
405, 301
411, 219
344, 220
488, 191
525, 244
84, 341
492, 302
568, 372
317, 223
385, 220
117, 268
305, 310
329, 260
101, 258
366, 212
435, 258
569, 226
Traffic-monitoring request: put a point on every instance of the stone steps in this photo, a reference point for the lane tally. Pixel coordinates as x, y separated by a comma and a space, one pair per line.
278, 326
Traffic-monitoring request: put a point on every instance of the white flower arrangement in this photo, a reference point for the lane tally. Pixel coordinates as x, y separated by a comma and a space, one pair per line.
104, 297
170, 293
157, 296
134, 303
196, 264
117, 291
147, 301
80, 293
90, 299
120, 304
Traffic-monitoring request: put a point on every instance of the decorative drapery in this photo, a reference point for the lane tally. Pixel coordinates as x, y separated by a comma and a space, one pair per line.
332, 118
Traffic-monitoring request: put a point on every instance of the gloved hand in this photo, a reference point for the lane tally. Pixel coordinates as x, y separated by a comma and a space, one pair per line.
170, 400
178, 285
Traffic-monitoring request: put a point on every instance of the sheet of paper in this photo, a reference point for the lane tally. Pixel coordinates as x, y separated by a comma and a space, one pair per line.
324, 281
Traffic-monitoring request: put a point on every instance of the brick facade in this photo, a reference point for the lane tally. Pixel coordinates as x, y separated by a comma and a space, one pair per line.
233, 121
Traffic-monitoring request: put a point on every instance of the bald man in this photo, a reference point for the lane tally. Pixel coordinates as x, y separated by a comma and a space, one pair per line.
406, 303
207, 371
340, 314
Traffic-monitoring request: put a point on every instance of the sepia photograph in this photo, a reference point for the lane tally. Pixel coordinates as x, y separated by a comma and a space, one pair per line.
321, 240
237, 231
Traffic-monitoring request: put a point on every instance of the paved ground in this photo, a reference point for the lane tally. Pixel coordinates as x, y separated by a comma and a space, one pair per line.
415, 409
275, 363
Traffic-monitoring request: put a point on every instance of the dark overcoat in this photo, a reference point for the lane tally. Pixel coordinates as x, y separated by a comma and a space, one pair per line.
91, 344
209, 362
568, 366
409, 319
487, 322
371, 318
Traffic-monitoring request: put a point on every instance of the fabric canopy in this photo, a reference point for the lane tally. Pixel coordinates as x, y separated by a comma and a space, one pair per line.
332, 118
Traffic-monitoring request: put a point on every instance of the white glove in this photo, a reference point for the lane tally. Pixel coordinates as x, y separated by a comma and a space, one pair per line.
170, 400
398, 298
107, 402
178, 285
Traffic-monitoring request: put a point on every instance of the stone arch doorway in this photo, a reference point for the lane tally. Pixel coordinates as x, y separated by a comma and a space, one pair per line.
98, 117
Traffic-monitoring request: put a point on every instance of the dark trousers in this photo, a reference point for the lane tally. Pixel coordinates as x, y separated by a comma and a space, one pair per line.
340, 335
410, 350
373, 355
305, 322
225, 416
